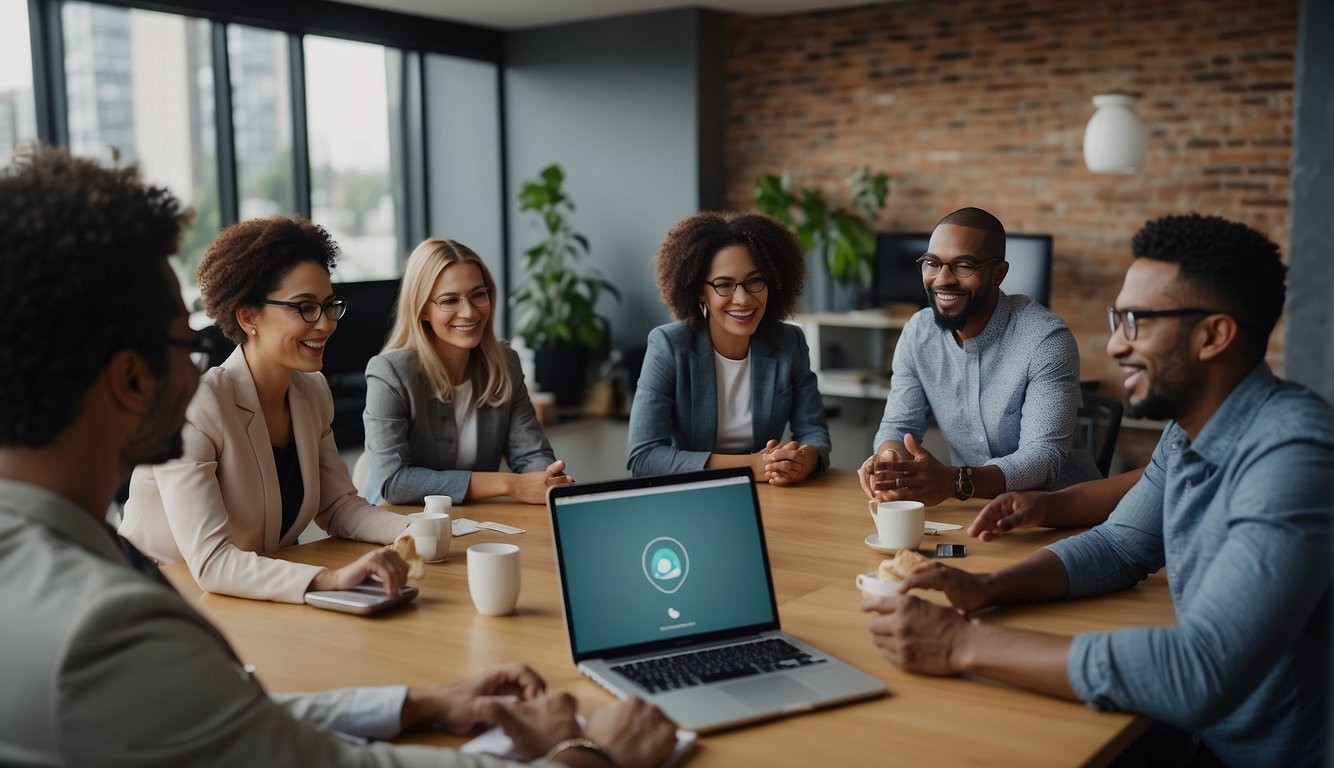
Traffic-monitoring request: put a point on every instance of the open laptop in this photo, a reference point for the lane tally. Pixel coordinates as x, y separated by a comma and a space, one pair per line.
668, 597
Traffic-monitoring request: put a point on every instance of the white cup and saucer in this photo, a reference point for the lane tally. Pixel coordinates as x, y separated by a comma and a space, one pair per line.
898, 525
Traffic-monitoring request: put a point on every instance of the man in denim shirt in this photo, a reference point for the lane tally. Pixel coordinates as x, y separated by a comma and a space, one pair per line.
1236, 503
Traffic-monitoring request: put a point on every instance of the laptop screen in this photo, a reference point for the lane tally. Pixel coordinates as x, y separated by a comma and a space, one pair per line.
659, 562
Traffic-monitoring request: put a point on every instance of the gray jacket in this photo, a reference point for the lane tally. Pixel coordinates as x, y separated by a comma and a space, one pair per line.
412, 440
105, 666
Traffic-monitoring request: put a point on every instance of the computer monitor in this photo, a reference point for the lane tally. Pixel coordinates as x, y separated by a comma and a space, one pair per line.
898, 280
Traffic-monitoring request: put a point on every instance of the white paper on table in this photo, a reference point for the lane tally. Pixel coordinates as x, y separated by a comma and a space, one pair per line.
495, 742
462, 526
931, 525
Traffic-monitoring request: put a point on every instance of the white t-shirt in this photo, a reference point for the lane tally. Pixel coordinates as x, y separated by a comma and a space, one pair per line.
465, 418
735, 434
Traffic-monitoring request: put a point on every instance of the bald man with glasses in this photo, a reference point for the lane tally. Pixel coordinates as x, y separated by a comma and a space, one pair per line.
999, 373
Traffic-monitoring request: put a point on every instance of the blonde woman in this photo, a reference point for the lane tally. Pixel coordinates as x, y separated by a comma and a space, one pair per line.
445, 400
259, 461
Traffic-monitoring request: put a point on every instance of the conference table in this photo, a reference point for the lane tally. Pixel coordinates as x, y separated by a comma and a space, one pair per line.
816, 535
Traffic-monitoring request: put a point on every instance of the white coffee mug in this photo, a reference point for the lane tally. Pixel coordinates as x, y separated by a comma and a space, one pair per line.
872, 585
431, 533
899, 524
493, 578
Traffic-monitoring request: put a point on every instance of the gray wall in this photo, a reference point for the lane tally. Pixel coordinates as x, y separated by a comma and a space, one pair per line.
463, 156
618, 104
1308, 354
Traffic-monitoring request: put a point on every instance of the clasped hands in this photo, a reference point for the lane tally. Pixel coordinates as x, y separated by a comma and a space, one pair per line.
785, 464
514, 697
885, 476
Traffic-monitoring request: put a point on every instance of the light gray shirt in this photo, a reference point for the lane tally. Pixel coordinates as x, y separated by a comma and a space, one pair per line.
1007, 397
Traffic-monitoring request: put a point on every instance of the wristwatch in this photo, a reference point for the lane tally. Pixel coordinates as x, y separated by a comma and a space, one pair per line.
963, 484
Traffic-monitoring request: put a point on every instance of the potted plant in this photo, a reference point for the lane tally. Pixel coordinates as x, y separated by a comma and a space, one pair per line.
556, 308
841, 240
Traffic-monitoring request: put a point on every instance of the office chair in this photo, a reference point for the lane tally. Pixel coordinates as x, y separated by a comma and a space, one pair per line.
1099, 424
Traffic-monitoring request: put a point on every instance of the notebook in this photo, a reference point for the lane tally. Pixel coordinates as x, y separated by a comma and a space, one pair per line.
668, 596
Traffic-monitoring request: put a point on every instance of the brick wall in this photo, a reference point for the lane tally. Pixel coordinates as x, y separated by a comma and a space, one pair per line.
984, 102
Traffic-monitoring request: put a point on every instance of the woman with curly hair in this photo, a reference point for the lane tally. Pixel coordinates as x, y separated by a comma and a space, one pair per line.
446, 400
259, 459
720, 385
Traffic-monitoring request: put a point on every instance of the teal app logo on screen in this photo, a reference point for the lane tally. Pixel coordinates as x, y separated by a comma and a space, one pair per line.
666, 564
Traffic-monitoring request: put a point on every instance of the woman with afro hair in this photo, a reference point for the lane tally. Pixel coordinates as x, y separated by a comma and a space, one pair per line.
721, 385
259, 461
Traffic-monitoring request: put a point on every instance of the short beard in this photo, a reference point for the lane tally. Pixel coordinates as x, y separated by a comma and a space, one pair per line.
158, 438
955, 323
1172, 389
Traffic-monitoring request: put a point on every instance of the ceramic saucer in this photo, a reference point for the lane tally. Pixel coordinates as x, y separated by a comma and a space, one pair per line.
873, 541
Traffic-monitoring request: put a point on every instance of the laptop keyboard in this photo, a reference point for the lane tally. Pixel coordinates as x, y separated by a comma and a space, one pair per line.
684, 670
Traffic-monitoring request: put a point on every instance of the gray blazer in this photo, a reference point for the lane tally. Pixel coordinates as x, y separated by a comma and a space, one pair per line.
674, 420
105, 666
411, 438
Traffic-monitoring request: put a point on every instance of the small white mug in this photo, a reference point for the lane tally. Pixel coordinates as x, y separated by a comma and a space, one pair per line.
430, 531
493, 578
899, 524
872, 585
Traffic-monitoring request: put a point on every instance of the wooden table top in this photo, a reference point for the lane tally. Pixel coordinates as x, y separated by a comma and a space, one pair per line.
815, 534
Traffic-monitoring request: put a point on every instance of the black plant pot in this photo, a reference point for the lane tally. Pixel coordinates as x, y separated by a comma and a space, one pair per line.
563, 371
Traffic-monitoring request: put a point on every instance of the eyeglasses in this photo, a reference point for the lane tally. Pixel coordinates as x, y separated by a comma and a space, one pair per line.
1130, 317
202, 349
726, 288
931, 266
311, 311
477, 299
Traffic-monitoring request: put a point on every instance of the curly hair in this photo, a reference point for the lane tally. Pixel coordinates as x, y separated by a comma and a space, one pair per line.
249, 260
688, 251
1233, 267
83, 275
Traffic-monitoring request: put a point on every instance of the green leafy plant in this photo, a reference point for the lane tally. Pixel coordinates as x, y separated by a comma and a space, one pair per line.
840, 238
557, 305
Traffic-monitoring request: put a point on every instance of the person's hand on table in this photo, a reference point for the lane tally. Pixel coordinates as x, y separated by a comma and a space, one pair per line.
534, 725
922, 478
635, 732
789, 463
917, 635
383, 562
967, 592
458, 707
531, 487
1015, 509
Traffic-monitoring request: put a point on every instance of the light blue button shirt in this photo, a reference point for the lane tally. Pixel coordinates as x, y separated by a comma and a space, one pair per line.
1007, 397
1241, 519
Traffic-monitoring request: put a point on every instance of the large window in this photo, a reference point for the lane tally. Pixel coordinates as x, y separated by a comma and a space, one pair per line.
352, 187
262, 121
139, 87
335, 129
18, 116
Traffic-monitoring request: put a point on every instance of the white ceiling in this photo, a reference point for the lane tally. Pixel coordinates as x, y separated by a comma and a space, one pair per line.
522, 14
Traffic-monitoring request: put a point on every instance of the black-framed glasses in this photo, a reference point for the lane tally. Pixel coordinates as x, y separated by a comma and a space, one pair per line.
726, 288
476, 299
202, 349
961, 269
1116, 318
311, 311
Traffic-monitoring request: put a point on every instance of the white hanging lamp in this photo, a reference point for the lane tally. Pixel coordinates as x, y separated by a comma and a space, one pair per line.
1115, 138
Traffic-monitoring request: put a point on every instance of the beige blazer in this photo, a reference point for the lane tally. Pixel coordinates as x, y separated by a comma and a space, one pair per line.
219, 506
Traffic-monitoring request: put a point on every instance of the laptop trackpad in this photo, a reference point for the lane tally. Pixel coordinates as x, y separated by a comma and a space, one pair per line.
771, 692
